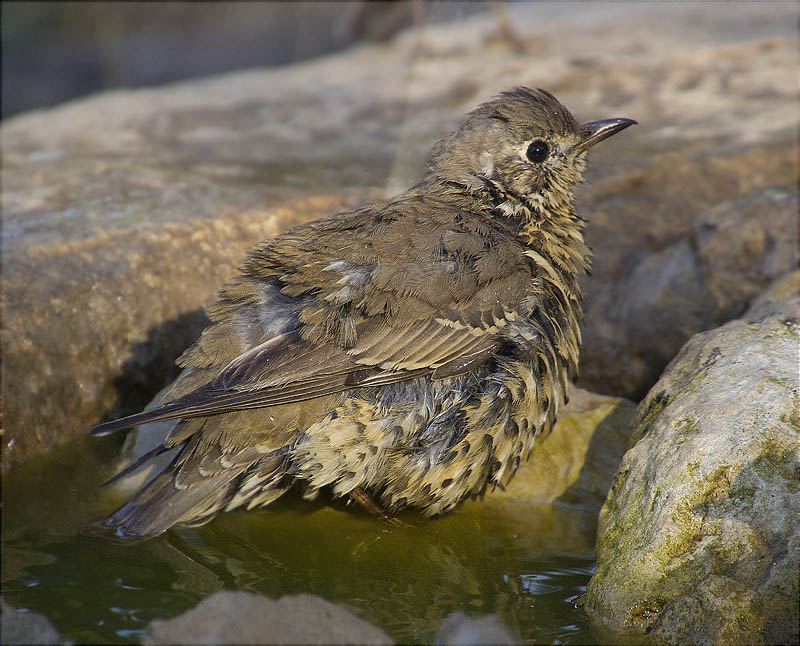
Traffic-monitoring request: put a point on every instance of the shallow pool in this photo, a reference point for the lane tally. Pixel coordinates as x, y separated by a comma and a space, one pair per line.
523, 560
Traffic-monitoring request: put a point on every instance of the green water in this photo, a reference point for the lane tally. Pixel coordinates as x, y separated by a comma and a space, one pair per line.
527, 562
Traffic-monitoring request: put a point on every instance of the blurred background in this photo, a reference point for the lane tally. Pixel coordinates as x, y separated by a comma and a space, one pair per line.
56, 51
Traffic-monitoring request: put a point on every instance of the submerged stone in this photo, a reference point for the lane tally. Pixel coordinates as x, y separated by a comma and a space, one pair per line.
18, 627
460, 630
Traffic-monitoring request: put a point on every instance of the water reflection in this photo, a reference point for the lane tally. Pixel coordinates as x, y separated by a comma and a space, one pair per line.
525, 561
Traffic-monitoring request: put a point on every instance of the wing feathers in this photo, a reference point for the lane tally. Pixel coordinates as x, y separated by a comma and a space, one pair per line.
288, 368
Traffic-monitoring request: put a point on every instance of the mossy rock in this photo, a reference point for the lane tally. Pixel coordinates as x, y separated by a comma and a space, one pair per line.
698, 540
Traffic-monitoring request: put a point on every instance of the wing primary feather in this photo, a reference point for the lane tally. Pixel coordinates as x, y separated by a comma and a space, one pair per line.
137, 463
166, 411
205, 402
252, 380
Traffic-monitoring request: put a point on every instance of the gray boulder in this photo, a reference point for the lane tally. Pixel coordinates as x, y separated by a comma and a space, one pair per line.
234, 617
699, 540
673, 286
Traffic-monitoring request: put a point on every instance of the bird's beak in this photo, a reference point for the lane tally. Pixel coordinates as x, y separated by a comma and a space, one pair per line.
596, 131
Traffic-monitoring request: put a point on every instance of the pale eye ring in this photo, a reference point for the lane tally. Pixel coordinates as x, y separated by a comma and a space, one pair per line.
537, 151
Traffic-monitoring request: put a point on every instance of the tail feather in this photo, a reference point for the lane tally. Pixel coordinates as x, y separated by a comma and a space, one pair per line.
159, 505
153, 453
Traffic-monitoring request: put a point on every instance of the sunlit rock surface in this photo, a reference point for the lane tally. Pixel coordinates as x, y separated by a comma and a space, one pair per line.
698, 541
124, 212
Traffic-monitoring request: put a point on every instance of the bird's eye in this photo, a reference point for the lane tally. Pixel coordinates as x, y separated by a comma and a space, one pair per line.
538, 151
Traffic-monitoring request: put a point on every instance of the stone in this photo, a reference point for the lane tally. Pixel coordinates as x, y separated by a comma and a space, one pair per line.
698, 541
772, 301
115, 237
236, 617
18, 627
744, 244
696, 279
458, 629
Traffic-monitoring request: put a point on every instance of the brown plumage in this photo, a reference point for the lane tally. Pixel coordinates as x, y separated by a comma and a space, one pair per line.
406, 354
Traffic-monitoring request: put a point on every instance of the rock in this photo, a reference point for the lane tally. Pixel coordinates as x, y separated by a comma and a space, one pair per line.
743, 245
235, 617
698, 541
17, 627
677, 285
460, 630
772, 301
115, 237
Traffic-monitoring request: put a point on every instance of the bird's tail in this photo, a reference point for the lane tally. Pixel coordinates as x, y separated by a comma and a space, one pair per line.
160, 504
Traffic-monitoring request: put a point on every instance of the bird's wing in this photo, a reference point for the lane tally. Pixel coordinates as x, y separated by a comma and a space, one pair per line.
374, 324
288, 368
358, 322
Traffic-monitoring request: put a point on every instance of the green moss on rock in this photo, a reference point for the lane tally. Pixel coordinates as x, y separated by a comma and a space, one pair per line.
698, 541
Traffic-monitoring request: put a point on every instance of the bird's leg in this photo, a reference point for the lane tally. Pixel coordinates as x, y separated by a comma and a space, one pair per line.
367, 502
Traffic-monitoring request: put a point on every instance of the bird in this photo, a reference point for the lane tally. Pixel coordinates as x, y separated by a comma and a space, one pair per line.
406, 354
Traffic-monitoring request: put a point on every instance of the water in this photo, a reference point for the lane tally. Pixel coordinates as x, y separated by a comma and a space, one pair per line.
527, 562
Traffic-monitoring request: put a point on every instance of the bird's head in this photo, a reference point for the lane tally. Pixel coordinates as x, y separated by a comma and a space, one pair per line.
524, 144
